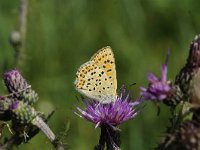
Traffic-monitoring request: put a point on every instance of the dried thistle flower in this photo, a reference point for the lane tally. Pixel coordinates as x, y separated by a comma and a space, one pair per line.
185, 137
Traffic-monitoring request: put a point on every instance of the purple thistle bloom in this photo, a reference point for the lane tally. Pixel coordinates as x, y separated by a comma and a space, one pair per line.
158, 88
18, 87
111, 114
14, 81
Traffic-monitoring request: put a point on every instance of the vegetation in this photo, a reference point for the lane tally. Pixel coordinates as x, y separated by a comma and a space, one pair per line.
61, 35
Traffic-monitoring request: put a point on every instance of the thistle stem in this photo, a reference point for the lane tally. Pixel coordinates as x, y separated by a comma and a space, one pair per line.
23, 29
102, 139
110, 137
18, 38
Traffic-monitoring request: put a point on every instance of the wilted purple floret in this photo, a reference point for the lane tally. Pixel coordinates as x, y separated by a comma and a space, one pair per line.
14, 105
158, 88
13, 80
113, 113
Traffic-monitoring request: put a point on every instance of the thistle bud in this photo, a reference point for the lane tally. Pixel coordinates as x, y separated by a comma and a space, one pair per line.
186, 137
19, 88
15, 38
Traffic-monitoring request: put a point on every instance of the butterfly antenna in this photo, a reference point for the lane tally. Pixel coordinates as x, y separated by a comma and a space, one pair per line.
132, 84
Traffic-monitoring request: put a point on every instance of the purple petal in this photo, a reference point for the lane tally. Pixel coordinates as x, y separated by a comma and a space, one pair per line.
143, 89
151, 77
158, 88
164, 72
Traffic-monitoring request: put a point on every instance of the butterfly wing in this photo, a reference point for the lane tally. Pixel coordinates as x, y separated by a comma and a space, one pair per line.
97, 78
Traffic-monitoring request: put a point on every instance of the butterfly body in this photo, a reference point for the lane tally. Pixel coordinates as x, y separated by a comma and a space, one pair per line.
96, 78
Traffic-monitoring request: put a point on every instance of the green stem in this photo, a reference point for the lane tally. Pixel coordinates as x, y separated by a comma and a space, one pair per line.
22, 29
18, 38
110, 137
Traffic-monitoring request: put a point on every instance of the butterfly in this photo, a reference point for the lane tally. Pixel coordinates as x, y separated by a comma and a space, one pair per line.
96, 79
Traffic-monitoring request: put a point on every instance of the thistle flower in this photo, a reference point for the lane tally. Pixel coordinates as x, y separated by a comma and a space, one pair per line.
108, 116
14, 81
19, 105
188, 78
18, 87
111, 114
158, 88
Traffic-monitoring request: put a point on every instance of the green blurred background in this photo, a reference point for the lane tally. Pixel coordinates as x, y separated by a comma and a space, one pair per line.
63, 34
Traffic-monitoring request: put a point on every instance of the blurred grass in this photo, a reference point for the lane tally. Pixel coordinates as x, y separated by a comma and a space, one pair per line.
62, 35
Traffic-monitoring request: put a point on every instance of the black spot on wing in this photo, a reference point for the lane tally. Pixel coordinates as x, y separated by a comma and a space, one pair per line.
109, 70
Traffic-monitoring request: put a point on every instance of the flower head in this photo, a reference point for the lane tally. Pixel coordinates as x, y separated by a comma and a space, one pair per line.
158, 88
18, 87
113, 113
14, 81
